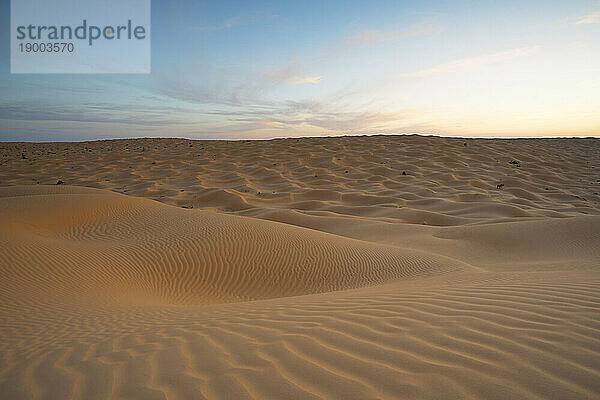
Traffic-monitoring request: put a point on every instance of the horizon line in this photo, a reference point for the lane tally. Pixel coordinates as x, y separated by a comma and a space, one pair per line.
306, 137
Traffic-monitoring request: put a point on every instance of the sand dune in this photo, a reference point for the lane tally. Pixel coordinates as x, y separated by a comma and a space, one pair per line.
334, 268
103, 245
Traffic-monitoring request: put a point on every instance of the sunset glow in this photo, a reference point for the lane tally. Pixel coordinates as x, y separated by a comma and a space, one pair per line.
275, 69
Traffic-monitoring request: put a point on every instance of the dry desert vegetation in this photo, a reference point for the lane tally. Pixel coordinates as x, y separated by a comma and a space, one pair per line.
373, 267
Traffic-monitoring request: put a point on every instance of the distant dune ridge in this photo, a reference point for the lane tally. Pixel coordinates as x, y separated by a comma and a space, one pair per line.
379, 267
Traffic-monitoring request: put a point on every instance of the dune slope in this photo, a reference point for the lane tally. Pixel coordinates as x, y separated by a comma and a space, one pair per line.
78, 243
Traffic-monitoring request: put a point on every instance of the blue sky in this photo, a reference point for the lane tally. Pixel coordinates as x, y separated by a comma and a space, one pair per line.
261, 69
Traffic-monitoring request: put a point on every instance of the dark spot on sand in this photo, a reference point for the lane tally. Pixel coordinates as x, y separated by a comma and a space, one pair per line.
59, 182
403, 172
500, 186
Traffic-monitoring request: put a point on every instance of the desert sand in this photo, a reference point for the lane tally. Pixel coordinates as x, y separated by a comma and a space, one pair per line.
381, 267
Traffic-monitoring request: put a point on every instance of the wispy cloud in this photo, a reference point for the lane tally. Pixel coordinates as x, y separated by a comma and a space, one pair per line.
590, 18
369, 37
311, 115
231, 87
343, 122
471, 62
240, 20
95, 113
292, 76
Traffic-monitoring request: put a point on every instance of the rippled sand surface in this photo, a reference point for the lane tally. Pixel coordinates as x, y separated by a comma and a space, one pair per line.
378, 267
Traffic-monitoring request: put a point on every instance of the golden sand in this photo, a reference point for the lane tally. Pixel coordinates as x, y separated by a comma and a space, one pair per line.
380, 267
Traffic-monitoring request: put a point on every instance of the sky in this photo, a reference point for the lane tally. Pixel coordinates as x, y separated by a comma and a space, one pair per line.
264, 69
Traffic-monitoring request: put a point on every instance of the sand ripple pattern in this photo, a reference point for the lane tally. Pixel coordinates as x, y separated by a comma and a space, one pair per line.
531, 340
103, 246
404, 178
388, 267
